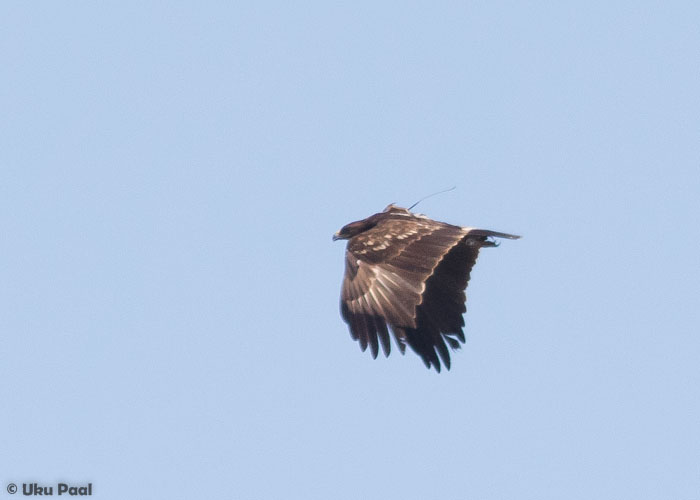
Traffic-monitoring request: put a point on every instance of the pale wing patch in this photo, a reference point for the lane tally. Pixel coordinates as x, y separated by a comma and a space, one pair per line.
377, 291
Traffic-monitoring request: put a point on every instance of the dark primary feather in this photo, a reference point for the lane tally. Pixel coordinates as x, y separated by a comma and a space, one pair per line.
407, 273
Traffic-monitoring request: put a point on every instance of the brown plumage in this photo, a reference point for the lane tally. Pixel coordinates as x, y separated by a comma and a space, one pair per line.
407, 273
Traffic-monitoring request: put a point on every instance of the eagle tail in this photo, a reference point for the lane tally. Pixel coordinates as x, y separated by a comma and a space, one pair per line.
494, 234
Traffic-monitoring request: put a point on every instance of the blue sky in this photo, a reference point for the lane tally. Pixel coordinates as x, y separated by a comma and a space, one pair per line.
170, 178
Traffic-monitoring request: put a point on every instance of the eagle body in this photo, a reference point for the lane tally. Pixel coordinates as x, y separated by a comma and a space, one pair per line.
407, 274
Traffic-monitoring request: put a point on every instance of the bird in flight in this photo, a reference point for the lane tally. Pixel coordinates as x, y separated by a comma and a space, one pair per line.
407, 273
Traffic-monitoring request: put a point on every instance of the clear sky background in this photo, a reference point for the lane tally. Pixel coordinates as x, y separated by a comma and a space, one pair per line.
171, 174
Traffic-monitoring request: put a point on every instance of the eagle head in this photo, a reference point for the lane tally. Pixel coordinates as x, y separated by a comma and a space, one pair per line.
355, 228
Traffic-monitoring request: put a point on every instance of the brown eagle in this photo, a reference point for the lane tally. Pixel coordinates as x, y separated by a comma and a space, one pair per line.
408, 272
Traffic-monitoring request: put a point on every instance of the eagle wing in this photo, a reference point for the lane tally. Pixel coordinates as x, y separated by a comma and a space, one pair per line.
393, 278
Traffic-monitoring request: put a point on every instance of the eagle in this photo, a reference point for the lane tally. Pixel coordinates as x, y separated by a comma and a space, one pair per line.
407, 273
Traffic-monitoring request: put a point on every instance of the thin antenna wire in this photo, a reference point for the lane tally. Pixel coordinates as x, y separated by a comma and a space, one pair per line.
430, 195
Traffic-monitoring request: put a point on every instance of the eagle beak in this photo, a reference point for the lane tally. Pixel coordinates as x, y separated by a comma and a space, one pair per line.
336, 237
